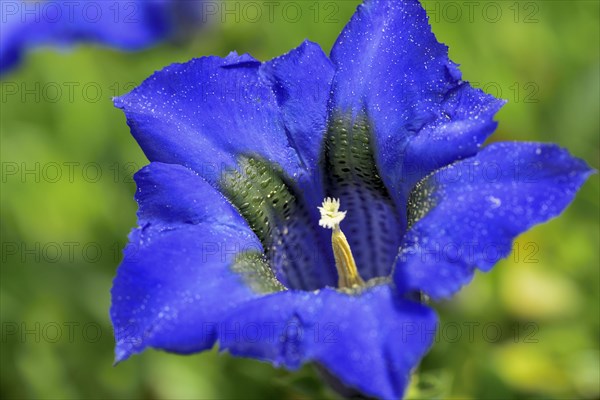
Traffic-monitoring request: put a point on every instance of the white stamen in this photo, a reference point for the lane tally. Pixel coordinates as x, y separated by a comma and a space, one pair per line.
330, 214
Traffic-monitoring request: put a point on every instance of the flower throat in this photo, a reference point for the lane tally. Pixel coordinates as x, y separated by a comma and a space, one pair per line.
295, 249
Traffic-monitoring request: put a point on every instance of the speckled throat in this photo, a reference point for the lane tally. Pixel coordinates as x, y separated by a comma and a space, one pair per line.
276, 212
350, 174
267, 199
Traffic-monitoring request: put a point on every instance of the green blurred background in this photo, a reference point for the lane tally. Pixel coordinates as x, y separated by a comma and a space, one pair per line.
528, 329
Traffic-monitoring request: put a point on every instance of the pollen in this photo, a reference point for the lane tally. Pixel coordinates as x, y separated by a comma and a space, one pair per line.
331, 216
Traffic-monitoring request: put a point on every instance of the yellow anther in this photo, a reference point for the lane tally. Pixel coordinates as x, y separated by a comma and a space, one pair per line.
331, 217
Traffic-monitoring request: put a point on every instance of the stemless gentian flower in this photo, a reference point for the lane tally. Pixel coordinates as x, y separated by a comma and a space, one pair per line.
125, 25
256, 168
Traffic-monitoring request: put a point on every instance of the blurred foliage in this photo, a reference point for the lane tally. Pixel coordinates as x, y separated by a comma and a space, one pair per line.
528, 329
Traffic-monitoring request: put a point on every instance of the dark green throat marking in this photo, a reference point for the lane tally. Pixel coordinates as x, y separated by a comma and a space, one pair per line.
349, 157
268, 201
256, 272
260, 194
420, 201
372, 224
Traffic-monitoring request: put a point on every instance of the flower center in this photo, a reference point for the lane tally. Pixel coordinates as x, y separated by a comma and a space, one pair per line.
276, 212
295, 253
331, 217
375, 225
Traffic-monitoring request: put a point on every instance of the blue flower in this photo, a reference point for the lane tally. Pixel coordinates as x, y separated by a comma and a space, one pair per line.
236, 244
130, 25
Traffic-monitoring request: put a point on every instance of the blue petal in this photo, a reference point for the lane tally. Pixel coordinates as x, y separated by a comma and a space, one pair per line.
301, 81
466, 215
174, 283
370, 341
207, 112
11, 38
390, 66
211, 112
126, 25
